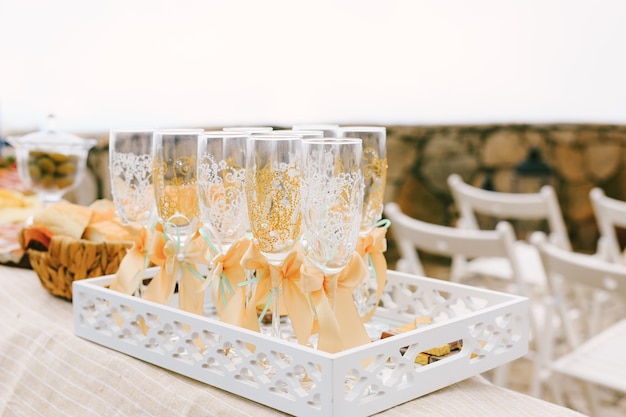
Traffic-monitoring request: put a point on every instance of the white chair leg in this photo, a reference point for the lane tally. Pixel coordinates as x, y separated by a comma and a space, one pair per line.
544, 338
457, 268
553, 385
501, 375
599, 301
592, 402
536, 383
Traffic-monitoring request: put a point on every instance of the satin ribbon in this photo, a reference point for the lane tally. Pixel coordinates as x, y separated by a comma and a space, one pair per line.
287, 276
371, 247
225, 277
133, 266
339, 324
178, 264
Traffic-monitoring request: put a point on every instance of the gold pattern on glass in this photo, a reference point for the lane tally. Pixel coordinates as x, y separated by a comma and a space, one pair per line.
375, 178
176, 190
273, 181
374, 140
273, 206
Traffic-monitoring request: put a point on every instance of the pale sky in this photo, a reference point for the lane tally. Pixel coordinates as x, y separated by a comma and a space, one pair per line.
175, 63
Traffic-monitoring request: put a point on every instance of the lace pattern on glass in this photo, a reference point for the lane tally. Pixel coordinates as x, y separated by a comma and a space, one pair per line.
331, 203
223, 198
132, 189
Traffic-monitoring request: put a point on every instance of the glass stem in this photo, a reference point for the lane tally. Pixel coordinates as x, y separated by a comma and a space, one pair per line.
49, 199
332, 280
250, 287
276, 312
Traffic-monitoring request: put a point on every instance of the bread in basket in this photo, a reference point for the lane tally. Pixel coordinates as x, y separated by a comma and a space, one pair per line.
69, 242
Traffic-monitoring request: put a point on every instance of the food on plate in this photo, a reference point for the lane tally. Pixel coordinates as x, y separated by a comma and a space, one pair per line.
9, 178
16, 207
10, 250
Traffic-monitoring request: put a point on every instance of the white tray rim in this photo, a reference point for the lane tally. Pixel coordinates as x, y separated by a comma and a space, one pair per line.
438, 333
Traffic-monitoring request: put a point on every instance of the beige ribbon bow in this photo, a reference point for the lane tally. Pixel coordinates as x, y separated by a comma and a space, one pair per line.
373, 245
178, 266
339, 324
226, 274
133, 266
294, 302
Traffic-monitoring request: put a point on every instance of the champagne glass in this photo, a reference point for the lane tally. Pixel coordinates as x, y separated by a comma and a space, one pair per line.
330, 130
175, 181
332, 201
248, 129
374, 171
375, 178
304, 134
273, 181
222, 197
130, 164
221, 178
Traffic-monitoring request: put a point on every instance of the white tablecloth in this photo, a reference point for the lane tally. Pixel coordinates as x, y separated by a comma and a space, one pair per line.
45, 370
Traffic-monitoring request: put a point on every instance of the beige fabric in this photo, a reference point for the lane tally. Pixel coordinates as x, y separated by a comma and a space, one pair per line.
45, 370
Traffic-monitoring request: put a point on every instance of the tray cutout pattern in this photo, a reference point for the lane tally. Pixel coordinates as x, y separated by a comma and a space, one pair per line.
493, 328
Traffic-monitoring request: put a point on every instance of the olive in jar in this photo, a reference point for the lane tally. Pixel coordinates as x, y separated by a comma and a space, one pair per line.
52, 170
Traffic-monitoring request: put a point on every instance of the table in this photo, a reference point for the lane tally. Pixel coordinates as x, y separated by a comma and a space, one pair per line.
46, 370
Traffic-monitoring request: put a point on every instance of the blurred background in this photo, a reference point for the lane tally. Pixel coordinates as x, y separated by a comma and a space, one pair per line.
166, 63
468, 87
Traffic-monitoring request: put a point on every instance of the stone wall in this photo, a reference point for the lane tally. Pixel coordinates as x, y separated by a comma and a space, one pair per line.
581, 156
421, 158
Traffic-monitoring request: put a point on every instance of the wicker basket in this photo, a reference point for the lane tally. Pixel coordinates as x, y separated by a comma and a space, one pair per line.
68, 260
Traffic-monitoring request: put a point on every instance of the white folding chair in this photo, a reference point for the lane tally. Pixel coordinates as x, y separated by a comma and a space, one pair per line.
542, 206
609, 213
413, 236
593, 354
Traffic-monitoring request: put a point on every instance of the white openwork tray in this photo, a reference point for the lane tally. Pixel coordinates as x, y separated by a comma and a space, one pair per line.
300, 380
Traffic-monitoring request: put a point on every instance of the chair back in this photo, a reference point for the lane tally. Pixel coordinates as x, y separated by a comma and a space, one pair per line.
576, 268
585, 291
572, 276
413, 235
610, 213
543, 205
